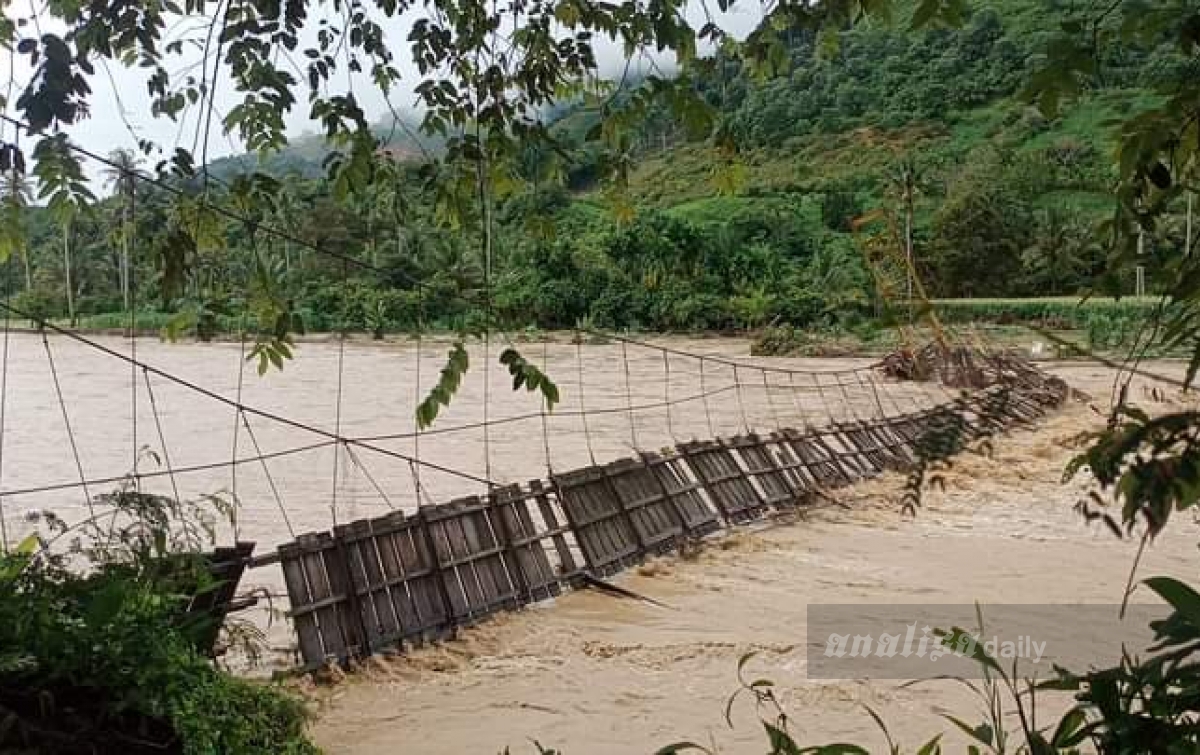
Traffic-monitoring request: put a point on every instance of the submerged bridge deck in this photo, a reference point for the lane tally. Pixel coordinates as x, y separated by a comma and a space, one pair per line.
379, 583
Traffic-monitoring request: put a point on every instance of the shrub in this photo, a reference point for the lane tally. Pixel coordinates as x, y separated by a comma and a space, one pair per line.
98, 652
1049, 312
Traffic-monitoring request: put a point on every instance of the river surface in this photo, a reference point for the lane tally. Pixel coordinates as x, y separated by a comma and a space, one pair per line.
586, 673
594, 675
113, 409
379, 385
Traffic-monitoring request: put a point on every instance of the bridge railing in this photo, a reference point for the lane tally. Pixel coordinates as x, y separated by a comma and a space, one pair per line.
400, 579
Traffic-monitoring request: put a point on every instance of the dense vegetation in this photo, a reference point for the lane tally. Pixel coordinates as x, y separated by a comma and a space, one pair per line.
926, 122
98, 652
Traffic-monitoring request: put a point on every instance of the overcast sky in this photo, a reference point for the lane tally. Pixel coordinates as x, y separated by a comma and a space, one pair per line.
120, 112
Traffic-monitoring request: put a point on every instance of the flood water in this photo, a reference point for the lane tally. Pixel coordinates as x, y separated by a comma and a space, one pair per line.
592, 674
379, 387
114, 409
585, 672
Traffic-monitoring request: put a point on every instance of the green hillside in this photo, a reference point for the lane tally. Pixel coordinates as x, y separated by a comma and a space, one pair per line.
754, 225
1003, 200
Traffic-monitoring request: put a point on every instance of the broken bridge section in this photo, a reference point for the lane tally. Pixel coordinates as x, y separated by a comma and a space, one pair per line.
399, 579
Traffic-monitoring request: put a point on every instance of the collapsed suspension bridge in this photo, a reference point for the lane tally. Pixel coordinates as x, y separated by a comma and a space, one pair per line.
650, 446
387, 532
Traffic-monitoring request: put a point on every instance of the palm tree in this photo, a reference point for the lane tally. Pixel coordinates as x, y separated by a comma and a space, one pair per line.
17, 195
906, 180
67, 283
121, 176
288, 211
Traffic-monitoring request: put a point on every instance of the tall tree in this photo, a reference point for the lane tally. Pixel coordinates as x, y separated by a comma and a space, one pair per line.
905, 182
16, 194
121, 177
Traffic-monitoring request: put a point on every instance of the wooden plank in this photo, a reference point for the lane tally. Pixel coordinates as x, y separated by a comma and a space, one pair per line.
225, 567
434, 593
333, 640
686, 493
474, 574
647, 507
761, 467
838, 463
602, 529
308, 635
350, 613
353, 536
568, 566
444, 553
715, 465
533, 560
379, 592
794, 470
388, 529
506, 522
499, 585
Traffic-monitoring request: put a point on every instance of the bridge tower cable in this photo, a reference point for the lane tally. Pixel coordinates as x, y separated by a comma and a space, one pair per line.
131, 313
4, 389
583, 412
66, 417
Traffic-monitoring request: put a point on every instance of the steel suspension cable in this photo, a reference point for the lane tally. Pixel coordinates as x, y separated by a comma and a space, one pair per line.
451, 429
62, 405
267, 472
848, 400
771, 401
712, 433
237, 426
229, 214
823, 398
800, 413
162, 438
722, 360
629, 396
415, 469
545, 419
4, 394
370, 478
667, 394
56, 486
337, 422
875, 393
75, 336
737, 381
131, 306
587, 434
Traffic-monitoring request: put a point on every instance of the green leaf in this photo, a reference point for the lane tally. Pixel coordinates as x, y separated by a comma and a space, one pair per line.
1067, 733
681, 747
982, 733
1181, 597
27, 546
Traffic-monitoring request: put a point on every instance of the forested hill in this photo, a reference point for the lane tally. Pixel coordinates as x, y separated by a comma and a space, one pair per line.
1002, 197
884, 122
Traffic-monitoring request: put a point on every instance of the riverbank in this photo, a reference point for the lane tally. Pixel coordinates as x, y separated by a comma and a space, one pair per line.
868, 341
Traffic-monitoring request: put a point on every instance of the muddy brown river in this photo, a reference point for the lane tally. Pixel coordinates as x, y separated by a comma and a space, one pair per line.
586, 673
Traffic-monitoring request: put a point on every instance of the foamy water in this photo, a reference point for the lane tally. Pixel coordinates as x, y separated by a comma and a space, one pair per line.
587, 673
593, 675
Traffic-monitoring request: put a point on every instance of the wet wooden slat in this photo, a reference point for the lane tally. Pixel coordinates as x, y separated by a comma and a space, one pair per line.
715, 465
